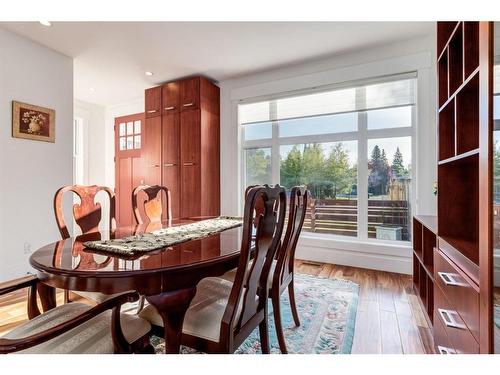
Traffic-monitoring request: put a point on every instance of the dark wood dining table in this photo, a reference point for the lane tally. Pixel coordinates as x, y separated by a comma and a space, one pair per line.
166, 277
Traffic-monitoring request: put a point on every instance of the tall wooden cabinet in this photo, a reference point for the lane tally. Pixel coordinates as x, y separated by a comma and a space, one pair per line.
462, 257
182, 144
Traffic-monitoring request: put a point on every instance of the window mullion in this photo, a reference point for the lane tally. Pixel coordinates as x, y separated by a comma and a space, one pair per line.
362, 165
275, 148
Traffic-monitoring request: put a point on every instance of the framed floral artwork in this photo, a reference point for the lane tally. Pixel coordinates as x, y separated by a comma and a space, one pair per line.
33, 122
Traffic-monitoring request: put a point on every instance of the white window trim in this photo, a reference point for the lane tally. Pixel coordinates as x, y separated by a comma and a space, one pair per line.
362, 136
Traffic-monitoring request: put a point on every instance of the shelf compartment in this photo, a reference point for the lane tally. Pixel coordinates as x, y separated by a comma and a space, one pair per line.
429, 243
467, 116
416, 272
455, 60
447, 131
443, 78
458, 199
444, 31
471, 47
417, 237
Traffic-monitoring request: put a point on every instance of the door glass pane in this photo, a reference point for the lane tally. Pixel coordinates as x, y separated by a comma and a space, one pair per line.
130, 143
345, 122
398, 117
262, 130
257, 166
137, 142
130, 128
123, 143
137, 127
329, 170
122, 128
389, 188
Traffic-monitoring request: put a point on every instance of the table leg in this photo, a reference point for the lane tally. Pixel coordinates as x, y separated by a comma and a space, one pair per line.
172, 307
47, 296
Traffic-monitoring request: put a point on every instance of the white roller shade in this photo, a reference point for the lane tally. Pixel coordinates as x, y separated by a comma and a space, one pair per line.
391, 92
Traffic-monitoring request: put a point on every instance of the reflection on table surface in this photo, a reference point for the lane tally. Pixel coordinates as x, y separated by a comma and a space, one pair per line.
70, 254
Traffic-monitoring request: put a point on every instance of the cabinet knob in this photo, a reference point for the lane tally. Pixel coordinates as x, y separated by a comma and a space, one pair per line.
151, 111
188, 104
169, 108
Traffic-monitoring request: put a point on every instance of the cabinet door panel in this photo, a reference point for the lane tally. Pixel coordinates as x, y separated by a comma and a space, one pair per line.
190, 137
190, 94
153, 102
172, 182
170, 136
191, 191
152, 151
170, 97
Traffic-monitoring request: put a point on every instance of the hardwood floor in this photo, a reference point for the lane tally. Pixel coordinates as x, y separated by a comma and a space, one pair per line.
389, 320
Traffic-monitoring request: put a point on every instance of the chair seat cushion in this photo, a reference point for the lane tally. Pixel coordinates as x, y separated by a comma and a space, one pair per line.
204, 316
231, 274
91, 337
94, 296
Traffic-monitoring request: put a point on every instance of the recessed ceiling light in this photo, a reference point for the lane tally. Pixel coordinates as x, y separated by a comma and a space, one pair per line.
149, 73
45, 23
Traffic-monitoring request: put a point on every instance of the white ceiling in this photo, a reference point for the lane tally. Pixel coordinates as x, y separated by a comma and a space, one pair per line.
111, 57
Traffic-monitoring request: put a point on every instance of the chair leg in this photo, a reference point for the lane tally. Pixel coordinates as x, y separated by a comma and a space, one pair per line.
66, 296
264, 336
275, 298
293, 305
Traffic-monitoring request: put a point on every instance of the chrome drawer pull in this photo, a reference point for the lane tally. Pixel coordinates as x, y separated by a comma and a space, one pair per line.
444, 350
449, 279
169, 165
188, 104
155, 165
188, 164
169, 108
152, 111
449, 319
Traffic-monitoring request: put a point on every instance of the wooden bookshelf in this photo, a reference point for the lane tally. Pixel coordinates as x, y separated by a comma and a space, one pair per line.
463, 244
424, 243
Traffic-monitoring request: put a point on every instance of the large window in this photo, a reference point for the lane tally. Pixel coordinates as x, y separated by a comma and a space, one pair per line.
351, 146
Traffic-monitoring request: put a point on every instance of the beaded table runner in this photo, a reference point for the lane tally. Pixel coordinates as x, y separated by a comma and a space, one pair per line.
142, 243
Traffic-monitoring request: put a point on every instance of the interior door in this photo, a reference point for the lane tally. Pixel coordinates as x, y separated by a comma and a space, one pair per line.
128, 164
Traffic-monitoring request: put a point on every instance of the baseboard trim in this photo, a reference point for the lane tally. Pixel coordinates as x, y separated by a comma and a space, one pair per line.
357, 258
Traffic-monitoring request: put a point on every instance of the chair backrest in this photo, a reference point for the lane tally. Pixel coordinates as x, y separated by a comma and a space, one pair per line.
88, 213
299, 197
153, 207
248, 296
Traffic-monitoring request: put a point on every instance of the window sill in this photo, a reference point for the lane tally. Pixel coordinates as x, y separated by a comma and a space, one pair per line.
354, 244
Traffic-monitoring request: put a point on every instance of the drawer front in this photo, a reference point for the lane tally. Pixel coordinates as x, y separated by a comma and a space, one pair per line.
190, 94
441, 340
153, 102
459, 337
463, 297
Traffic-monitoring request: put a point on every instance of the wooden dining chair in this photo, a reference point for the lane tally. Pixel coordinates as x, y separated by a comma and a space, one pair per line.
76, 327
153, 206
87, 215
281, 276
223, 313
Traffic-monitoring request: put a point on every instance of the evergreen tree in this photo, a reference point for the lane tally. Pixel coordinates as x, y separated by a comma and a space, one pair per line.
397, 166
337, 171
378, 179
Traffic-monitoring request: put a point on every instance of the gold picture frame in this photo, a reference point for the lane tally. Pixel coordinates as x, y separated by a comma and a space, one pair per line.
33, 122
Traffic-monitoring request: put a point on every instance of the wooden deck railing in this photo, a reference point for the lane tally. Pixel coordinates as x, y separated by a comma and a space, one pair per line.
340, 216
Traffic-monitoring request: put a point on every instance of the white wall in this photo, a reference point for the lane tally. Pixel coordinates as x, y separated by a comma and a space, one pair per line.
31, 171
413, 55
